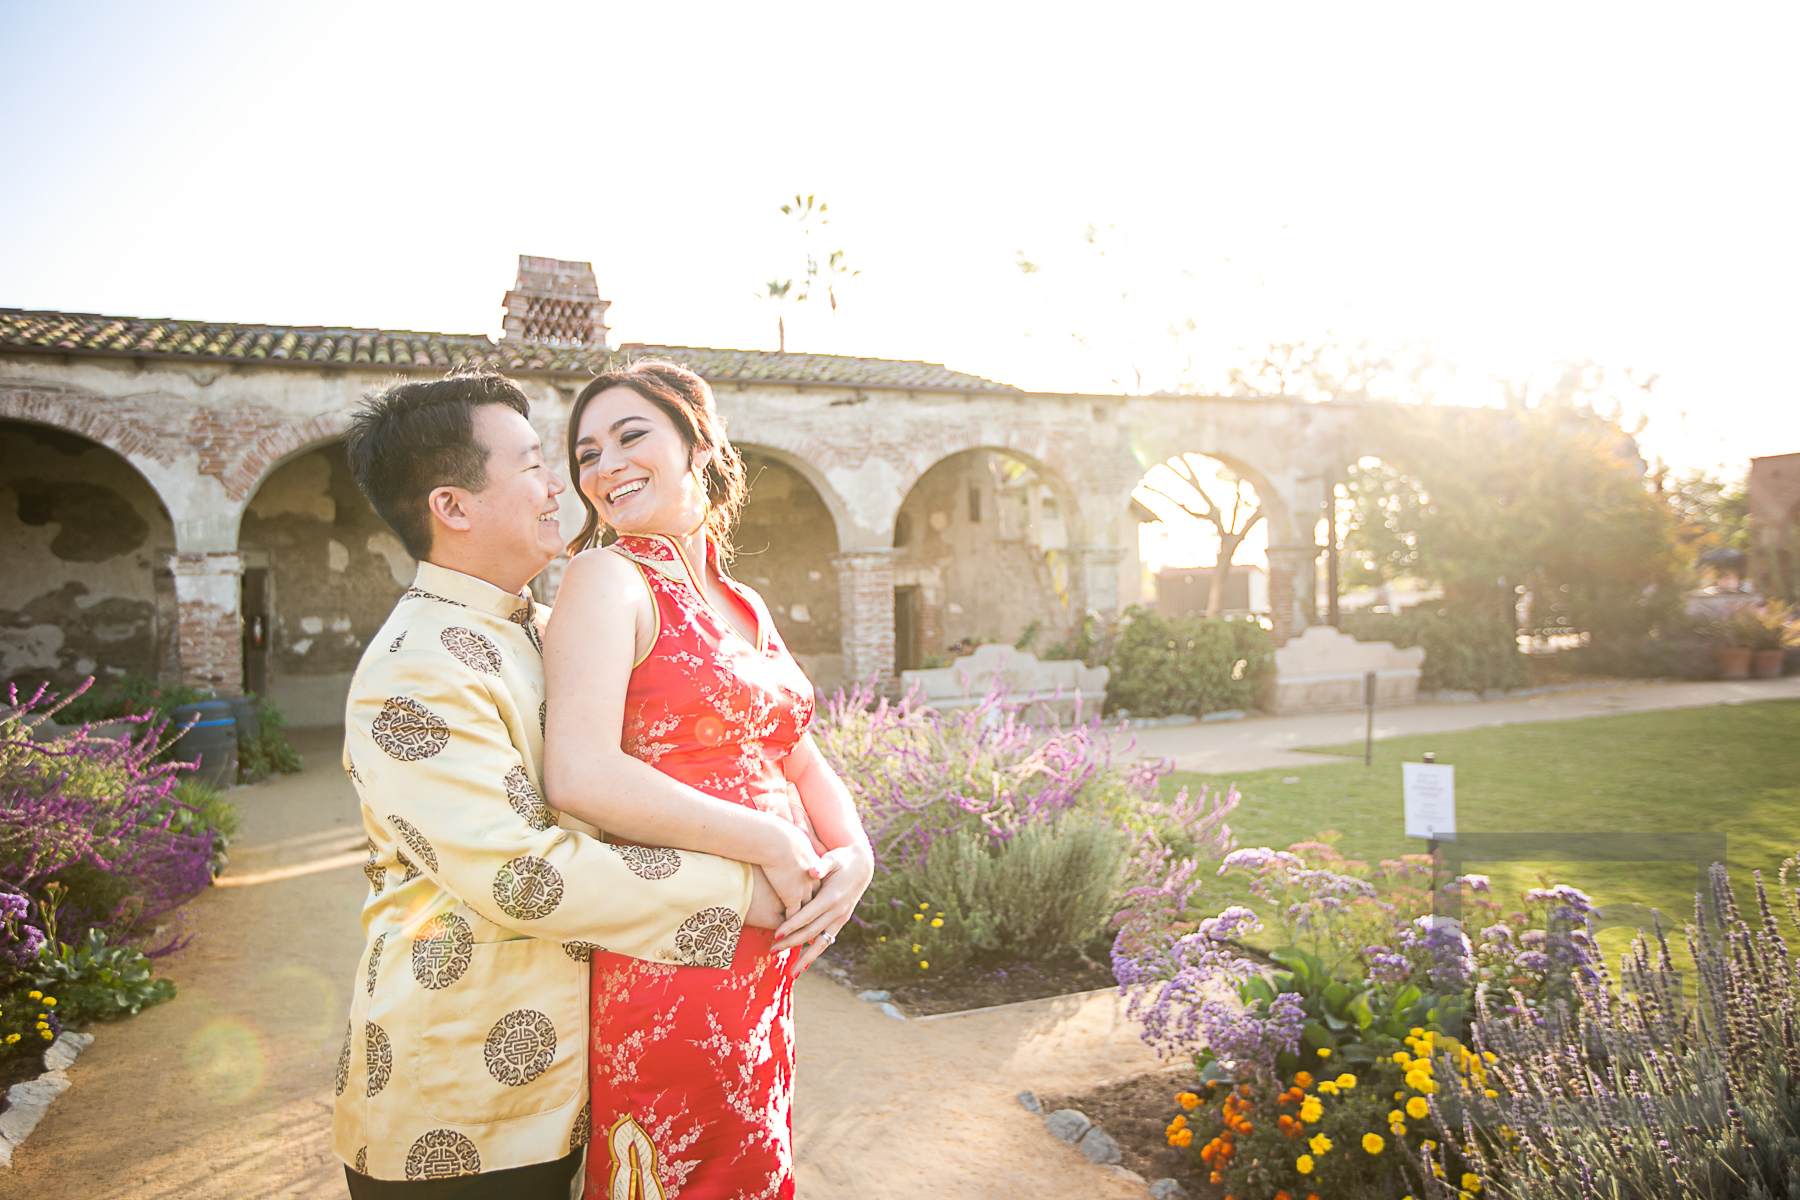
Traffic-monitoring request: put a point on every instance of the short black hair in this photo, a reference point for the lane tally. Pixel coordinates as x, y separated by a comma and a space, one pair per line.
410, 438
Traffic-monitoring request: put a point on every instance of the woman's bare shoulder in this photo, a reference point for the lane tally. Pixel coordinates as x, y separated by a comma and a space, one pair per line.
600, 568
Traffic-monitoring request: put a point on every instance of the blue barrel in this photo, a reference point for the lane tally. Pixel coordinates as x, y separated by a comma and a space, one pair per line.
211, 738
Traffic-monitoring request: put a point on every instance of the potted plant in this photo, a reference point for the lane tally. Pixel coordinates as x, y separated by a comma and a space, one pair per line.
1761, 636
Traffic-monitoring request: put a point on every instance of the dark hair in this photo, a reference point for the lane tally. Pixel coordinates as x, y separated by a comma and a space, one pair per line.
687, 401
410, 438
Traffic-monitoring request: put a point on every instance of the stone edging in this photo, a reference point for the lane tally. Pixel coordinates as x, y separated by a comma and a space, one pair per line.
26, 1103
1096, 1145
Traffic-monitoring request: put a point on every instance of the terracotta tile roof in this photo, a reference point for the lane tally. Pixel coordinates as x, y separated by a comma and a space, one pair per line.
138, 337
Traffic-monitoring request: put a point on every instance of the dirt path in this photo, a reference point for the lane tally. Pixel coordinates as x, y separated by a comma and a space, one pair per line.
226, 1090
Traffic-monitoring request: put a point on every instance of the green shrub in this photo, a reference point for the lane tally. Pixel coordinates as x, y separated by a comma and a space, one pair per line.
1464, 653
1163, 666
1048, 889
265, 751
262, 752
93, 980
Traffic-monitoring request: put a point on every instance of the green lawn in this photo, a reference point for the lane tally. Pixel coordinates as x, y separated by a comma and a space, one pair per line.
1732, 769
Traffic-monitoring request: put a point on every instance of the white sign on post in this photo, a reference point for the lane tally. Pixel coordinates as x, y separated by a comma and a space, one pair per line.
1430, 791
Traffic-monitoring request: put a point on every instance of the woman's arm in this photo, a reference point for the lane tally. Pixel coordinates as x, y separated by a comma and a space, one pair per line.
848, 864
603, 613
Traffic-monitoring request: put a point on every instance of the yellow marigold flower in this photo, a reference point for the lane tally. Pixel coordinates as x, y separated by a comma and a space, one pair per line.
50, 1000
1489, 1056
1304, 1164
1426, 1086
917, 947
882, 938
1428, 1145
918, 916
1399, 1095
1491, 1094
1328, 1088
1188, 1101
1397, 1129
1320, 1143
937, 922
1416, 1031
1324, 1051
1395, 1116
1346, 1080
1402, 1057
35, 995
924, 966
1437, 1170
11, 1038
1184, 1139
1311, 1110
1416, 1108
1471, 1182
924, 907
1373, 1143
1180, 1122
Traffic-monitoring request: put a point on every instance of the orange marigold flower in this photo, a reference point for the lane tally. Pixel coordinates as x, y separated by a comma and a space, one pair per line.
1303, 1080
1215, 1179
1188, 1101
1184, 1139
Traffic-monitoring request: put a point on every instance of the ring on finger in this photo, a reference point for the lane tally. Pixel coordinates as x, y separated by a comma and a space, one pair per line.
827, 937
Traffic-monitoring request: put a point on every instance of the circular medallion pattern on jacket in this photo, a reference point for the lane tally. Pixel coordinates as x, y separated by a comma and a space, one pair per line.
441, 951
584, 1127
362, 1160
442, 1154
471, 649
415, 840
520, 1047
350, 769
648, 862
408, 731
709, 938
343, 1067
581, 951
528, 888
525, 800
377, 874
380, 1055
395, 647
543, 718
375, 959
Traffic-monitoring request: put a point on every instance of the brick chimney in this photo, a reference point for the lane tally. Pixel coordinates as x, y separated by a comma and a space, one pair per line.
555, 303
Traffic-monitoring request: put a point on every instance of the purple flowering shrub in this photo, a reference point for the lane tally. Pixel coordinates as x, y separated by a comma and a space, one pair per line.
91, 830
1021, 840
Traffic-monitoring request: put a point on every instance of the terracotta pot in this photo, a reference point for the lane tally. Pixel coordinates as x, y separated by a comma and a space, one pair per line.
1766, 664
1734, 662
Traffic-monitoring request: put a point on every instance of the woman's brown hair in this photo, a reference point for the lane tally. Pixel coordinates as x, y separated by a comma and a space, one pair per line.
687, 401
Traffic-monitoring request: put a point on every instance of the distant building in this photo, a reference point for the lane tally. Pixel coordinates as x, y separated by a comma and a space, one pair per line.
1184, 591
175, 499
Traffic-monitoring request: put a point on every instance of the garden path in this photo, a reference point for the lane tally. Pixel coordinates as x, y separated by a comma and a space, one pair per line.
226, 1090
1263, 743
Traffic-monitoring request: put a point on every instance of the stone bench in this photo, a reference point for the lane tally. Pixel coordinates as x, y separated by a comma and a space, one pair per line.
1323, 670
1042, 692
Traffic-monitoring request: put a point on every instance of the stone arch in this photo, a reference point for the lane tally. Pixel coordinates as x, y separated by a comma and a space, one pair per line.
983, 551
273, 449
86, 538
804, 464
788, 537
1044, 459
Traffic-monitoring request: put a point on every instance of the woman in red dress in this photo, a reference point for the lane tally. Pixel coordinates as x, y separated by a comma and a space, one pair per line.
678, 718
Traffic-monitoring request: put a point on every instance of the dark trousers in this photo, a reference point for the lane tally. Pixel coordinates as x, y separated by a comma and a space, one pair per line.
540, 1181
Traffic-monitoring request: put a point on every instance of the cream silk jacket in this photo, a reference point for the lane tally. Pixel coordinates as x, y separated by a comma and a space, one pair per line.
466, 1046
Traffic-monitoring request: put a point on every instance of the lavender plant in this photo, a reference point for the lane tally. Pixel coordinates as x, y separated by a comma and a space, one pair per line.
1632, 1091
1019, 839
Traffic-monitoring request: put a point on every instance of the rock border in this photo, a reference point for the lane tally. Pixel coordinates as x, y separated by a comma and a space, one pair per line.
26, 1103
1072, 1127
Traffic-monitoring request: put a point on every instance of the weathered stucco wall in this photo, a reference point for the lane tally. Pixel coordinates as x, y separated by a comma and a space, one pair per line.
82, 536
785, 543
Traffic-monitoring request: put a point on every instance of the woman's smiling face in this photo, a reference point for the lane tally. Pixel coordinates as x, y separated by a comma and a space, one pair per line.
635, 467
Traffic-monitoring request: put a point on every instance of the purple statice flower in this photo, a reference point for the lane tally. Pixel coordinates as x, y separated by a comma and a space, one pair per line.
1442, 949
19, 940
1385, 966
1261, 858
1474, 883
1535, 961
1500, 934
1243, 1040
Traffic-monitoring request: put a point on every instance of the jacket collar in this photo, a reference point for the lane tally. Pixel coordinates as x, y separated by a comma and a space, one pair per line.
441, 583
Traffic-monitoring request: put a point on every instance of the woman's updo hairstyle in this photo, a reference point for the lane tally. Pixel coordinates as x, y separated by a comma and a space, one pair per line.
687, 401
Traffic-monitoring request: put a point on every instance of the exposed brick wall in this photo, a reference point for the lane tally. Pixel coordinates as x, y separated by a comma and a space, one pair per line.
209, 636
1290, 594
866, 608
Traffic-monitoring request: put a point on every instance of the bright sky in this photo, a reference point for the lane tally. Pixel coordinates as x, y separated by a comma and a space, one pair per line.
1515, 185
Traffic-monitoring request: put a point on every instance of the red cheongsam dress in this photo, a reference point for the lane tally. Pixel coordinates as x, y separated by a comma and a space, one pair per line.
693, 1065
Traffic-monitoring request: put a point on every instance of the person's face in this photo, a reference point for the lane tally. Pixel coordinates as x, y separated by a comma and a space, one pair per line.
635, 468
515, 514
